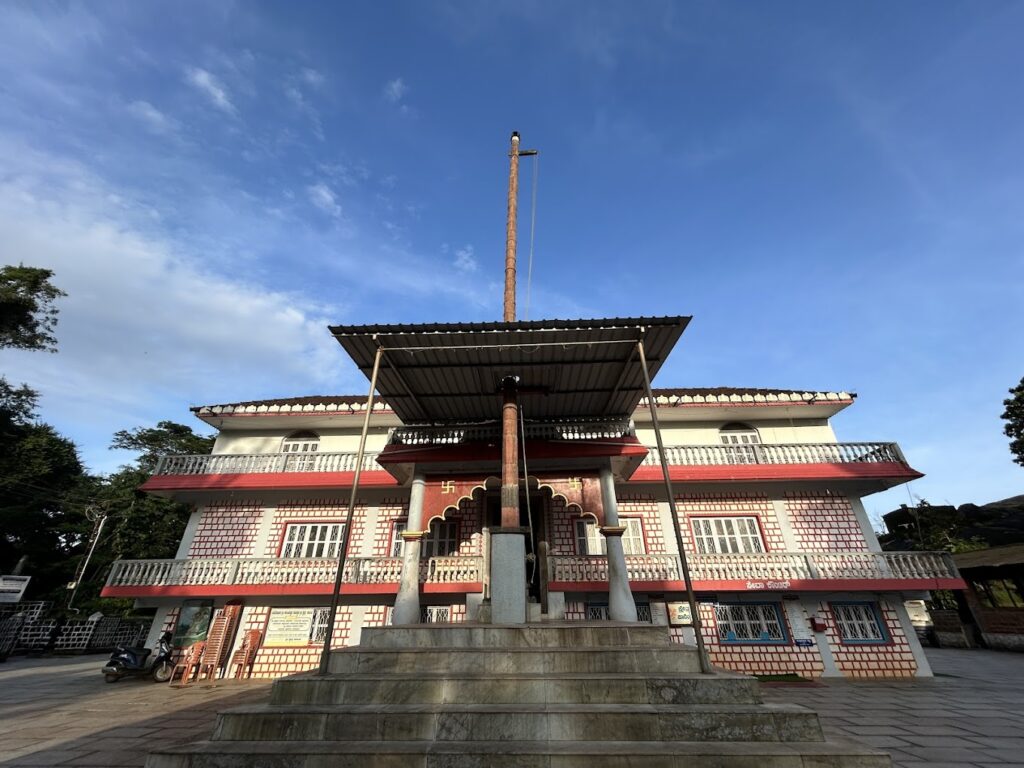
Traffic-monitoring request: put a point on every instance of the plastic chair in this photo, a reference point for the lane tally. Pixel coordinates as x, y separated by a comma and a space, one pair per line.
189, 663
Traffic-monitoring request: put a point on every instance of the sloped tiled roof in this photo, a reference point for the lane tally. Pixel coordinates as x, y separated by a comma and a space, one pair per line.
678, 396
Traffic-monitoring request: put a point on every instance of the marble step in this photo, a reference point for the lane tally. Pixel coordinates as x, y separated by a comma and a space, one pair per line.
513, 754
508, 722
608, 658
485, 687
548, 635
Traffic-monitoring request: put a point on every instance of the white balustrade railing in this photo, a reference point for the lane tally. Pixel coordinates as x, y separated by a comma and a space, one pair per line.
260, 463
678, 455
779, 453
765, 566
304, 570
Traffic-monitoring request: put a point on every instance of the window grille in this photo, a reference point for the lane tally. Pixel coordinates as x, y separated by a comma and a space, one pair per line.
397, 542
442, 539
750, 623
858, 623
435, 614
590, 540
319, 626
599, 612
312, 539
724, 535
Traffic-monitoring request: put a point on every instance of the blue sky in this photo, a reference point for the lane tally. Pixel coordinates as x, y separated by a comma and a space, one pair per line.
833, 191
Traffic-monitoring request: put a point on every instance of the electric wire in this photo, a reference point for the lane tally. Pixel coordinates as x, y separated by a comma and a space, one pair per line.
533, 229
529, 512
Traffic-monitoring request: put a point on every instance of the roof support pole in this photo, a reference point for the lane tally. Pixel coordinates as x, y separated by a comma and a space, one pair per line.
325, 655
702, 654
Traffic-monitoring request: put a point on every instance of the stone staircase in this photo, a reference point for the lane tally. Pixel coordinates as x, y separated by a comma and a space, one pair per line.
557, 695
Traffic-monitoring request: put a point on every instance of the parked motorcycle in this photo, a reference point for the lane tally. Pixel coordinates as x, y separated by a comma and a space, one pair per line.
136, 661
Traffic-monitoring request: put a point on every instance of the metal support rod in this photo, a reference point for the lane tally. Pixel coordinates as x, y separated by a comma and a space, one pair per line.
92, 548
325, 655
702, 654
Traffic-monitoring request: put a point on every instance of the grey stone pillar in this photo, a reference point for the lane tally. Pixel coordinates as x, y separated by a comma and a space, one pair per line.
407, 603
508, 575
621, 606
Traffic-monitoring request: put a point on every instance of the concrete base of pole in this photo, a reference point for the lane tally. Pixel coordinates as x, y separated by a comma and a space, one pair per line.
407, 602
621, 606
508, 576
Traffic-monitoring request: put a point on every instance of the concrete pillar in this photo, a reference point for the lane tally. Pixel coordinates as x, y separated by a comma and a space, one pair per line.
157, 627
621, 606
785, 527
407, 603
865, 524
190, 533
924, 669
811, 607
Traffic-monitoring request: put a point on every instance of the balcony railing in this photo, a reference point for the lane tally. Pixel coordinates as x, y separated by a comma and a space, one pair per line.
678, 455
199, 572
258, 463
603, 429
779, 453
766, 567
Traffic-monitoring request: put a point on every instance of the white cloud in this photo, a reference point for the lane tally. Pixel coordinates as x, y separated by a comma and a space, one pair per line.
395, 90
323, 198
214, 90
151, 117
465, 261
146, 328
313, 77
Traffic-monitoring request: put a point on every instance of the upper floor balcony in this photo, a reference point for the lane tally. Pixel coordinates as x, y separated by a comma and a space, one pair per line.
242, 577
880, 463
765, 571
754, 572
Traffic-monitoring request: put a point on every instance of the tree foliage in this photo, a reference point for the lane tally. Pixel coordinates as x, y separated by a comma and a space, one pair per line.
28, 314
167, 437
1014, 417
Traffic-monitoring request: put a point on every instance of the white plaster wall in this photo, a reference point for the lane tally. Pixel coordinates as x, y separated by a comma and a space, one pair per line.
770, 431
269, 441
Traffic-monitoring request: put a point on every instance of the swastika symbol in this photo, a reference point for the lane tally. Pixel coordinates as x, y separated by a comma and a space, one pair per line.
448, 486
575, 483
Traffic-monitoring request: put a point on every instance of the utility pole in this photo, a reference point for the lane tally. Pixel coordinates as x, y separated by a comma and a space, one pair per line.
99, 520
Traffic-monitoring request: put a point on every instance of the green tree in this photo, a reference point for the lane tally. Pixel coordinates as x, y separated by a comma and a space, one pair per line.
28, 314
139, 526
1014, 416
167, 437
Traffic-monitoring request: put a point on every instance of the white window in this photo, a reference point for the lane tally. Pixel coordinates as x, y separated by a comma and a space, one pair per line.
318, 626
303, 444
590, 540
740, 440
442, 539
724, 535
435, 614
312, 539
749, 623
397, 542
858, 623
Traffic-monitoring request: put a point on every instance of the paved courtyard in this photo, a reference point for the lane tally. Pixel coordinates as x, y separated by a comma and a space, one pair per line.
60, 712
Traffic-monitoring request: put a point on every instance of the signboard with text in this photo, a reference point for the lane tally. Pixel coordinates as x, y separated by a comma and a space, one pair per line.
679, 614
289, 627
12, 588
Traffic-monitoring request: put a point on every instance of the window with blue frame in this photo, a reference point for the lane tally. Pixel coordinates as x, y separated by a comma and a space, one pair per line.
859, 623
750, 623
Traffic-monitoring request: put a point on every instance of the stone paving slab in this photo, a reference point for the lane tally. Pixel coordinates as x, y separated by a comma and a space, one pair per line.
971, 714
60, 712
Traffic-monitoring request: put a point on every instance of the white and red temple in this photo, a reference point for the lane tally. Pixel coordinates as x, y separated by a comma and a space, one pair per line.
787, 575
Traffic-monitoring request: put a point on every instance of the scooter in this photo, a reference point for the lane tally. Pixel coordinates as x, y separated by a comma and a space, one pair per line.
135, 661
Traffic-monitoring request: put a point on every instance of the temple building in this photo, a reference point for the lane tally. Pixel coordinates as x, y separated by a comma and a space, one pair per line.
786, 575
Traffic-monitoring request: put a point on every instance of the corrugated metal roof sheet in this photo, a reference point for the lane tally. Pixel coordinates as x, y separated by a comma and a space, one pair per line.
452, 372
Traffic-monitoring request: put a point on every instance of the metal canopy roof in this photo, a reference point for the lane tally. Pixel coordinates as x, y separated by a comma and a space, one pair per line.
452, 372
